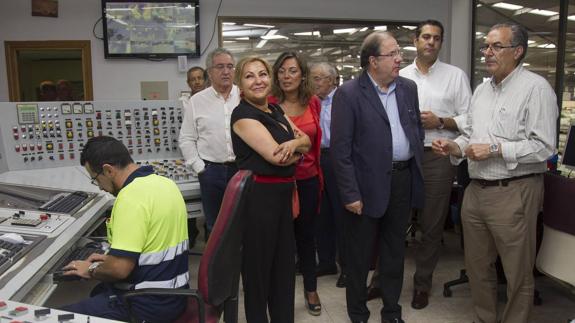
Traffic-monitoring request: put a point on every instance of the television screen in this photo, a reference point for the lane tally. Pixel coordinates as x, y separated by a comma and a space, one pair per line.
568, 158
151, 29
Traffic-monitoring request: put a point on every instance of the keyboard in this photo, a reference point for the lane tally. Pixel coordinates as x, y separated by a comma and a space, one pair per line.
66, 203
77, 254
10, 253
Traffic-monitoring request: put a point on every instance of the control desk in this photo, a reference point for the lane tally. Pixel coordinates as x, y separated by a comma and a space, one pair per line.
41, 176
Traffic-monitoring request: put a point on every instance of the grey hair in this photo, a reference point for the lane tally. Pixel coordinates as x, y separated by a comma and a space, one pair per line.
326, 67
216, 52
519, 36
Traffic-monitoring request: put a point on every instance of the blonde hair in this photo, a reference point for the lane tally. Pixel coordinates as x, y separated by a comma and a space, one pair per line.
240, 66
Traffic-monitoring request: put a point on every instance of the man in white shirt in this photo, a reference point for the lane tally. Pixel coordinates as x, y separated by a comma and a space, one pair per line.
444, 95
329, 228
509, 137
205, 138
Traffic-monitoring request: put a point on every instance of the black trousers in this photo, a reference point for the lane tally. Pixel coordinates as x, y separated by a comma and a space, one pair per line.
268, 266
361, 232
308, 191
329, 224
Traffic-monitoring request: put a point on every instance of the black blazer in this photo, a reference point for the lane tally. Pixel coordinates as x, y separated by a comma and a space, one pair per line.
361, 145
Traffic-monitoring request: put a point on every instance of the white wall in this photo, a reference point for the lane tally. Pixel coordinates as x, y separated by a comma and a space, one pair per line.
120, 78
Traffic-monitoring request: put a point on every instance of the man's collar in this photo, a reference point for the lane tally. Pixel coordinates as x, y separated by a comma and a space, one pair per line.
431, 68
140, 172
390, 87
508, 78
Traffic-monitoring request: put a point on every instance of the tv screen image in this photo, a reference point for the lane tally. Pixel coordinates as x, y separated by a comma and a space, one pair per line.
151, 29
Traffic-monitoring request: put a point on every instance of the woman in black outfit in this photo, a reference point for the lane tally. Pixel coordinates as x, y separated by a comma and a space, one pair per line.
268, 144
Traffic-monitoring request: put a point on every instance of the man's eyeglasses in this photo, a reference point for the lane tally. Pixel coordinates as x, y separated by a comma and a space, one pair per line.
319, 78
93, 180
221, 67
394, 54
494, 48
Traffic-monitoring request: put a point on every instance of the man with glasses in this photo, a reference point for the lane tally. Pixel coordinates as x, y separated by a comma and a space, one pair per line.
377, 150
147, 233
329, 228
444, 95
205, 138
510, 135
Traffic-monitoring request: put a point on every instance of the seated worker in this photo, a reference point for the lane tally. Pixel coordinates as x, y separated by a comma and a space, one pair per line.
148, 238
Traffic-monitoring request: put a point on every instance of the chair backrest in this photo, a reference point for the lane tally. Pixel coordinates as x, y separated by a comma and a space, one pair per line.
558, 212
219, 272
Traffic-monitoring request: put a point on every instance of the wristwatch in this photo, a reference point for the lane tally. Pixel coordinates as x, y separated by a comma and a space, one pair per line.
441, 124
493, 149
93, 267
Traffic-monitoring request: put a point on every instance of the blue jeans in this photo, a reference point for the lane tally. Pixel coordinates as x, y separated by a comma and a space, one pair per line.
213, 181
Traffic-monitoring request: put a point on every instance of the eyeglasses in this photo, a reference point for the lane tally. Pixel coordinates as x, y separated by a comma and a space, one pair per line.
319, 78
93, 180
221, 67
394, 54
494, 48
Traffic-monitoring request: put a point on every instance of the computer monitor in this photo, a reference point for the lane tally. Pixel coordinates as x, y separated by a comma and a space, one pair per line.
568, 156
152, 29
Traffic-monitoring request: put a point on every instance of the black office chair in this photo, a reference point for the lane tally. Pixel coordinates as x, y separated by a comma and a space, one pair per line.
219, 271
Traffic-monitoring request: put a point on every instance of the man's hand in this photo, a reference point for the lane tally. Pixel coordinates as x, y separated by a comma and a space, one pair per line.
355, 207
445, 147
429, 120
478, 151
78, 268
96, 257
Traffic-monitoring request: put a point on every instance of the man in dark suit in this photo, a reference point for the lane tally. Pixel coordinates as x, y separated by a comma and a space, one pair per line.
377, 149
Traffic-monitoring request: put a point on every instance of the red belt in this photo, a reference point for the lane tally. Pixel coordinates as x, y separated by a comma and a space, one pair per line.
276, 179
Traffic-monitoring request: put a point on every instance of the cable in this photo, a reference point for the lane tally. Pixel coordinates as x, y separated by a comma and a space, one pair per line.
213, 30
94, 29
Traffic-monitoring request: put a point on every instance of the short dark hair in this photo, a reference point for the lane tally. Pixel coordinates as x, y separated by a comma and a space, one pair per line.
370, 46
197, 68
430, 22
519, 36
305, 89
105, 150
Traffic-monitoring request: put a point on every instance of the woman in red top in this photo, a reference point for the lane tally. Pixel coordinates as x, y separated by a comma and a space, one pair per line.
292, 90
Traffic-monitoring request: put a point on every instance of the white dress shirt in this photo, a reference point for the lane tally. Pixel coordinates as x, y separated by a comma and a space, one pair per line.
520, 113
325, 119
445, 91
205, 132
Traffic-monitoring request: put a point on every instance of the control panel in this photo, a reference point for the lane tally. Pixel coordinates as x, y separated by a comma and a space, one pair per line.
52, 134
33, 221
11, 311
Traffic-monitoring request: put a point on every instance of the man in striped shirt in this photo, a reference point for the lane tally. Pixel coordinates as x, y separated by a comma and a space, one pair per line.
148, 238
510, 134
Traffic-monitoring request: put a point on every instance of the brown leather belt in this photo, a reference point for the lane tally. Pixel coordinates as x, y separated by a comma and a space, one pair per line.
501, 182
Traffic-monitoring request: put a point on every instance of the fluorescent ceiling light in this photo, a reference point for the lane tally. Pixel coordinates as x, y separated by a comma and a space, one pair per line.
229, 41
308, 33
530, 42
508, 6
409, 27
526, 64
541, 12
274, 37
261, 43
384, 28
348, 66
345, 31
260, 26
410, 48
363, 29
243, 38
546, 46
228, 23
572, 18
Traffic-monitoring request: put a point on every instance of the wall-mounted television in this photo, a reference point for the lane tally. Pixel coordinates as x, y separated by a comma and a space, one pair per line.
151, 29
